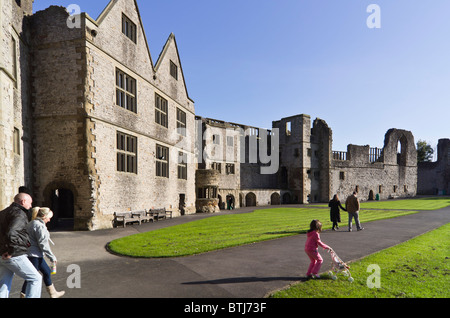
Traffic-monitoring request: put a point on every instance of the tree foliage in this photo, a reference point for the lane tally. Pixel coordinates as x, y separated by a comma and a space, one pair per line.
424, 151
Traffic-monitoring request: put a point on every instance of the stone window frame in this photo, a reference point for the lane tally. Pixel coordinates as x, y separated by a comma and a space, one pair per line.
161, 111
14, 59
173, 70
127, 147
16, 141
230, 168
230, 141
129, 28
182, 165
162, 161
216, 166
207, 192
126, 91
181, 122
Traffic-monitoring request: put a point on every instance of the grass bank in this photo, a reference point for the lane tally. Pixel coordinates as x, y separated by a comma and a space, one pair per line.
419, 268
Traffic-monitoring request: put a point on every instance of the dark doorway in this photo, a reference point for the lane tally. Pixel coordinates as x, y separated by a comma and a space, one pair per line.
230, 202
62, 205
182, 204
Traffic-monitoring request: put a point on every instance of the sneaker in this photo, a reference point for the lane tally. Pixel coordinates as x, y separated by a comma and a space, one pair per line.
361, 229
349, 230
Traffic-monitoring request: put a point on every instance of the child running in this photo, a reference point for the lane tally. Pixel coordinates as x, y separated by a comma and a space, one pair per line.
311, 248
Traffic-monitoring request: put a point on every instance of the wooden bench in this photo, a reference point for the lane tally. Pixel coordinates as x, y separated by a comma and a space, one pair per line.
143, 216
131, 217
124, 218
158, 214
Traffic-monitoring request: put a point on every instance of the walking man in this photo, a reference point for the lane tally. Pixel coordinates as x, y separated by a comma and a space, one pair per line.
352, 206
14, 243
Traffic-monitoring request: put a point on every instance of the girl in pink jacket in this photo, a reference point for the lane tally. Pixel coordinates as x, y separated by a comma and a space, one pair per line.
311, 248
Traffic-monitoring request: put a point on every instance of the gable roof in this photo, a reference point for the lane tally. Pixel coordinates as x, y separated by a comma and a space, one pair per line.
106, 11
161, 57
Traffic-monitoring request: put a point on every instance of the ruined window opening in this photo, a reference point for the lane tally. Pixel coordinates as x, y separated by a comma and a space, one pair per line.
216, 139
126, 153
182, 165
181, 122
129, 28
395, 189
125, 91
380, 189
174, 70
230, 168
288, 128
14, 58
162, 161
207, 193
342, 175
401, 151
357, 189
161, 111
216, 166
405, 188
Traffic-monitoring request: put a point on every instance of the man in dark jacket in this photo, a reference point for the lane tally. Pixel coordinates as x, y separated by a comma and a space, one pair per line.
14, 243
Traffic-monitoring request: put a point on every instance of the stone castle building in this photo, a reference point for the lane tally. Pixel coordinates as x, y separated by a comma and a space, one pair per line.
92, 125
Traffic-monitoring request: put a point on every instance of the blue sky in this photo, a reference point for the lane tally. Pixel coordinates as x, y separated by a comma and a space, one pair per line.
256, 61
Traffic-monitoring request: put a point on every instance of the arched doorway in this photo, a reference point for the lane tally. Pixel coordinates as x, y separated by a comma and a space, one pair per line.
286, 198
62, 205
275, 199
371, 195
230, 202
250, 199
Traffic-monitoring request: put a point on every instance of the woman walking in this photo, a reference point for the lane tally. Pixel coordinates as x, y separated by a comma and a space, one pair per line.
39, 239
335, 214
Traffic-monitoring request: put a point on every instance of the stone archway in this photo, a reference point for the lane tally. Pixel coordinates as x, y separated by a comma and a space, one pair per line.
250, 199
61, 197
275, 199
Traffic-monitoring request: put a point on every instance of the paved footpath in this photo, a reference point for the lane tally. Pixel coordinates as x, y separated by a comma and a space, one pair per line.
249, 271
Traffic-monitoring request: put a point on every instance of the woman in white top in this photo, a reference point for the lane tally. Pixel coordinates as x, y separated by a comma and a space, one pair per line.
40, 246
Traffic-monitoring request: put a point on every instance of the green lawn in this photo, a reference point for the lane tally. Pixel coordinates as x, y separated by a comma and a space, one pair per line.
419, 268
230, 230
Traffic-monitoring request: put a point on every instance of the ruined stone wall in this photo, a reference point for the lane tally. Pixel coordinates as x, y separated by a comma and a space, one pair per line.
434, 177
392, 175
298, 159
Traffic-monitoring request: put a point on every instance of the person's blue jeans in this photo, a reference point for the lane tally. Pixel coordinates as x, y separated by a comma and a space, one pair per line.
354, 215
22, 267
40, 264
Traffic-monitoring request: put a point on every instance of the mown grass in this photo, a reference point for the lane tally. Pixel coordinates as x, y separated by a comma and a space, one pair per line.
418, 268
231, 230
